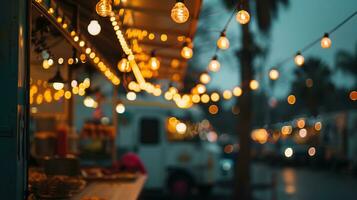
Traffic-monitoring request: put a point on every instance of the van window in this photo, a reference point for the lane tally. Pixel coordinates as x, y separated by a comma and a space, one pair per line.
149, 131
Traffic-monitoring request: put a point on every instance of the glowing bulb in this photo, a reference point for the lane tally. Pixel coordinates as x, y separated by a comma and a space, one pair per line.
179, 13
201, 88
123, 65
45, 64
223, 42
205, 78
186, 52
131, 96
154, 63
299, 59
291, 99
237, 91
58, 85
243, 17
120, 108
104, 8
94, 27
326, 41
214, 65
227, 94
273, 74
215, 97
288, 152
181, 128
254, 84
311, 151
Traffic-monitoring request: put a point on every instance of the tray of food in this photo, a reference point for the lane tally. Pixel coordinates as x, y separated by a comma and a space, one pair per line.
43, 186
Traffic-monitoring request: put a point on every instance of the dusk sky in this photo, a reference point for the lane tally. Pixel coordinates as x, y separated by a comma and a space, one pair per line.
297, 25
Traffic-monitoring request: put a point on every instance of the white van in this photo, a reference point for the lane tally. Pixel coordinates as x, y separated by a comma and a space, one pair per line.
170, 164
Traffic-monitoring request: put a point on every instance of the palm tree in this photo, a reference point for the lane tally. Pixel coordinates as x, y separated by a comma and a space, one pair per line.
347, 61
265, 12
313, 86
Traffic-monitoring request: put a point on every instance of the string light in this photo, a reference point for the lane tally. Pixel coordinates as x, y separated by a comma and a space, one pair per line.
214, 64
254, 84
180, 13
94, 27
215, 97
120, 108
227, 94
186, 51
273, 74
299, 59
243, 17
131, 96
291, 99
104, 8
154, 62
223, 42
201, 89
205, 78
237, 91
123, 65
326, 41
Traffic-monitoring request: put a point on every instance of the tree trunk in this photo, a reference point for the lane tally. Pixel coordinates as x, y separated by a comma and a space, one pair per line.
243, 184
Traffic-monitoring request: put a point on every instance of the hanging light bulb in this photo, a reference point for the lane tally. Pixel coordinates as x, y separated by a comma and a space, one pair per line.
180, 13
273, 74
214, 64
243, 17
94, 27
154, 62
123, 65
223, 42
104, 8
186, 51
254, 84
299, 59
120, 108
205, 78
57, 81
326, 41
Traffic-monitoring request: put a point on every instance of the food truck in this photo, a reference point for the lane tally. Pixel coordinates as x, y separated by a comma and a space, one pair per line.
171, 157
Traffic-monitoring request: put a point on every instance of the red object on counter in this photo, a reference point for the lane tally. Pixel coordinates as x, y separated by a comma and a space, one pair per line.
130, 162
62, 142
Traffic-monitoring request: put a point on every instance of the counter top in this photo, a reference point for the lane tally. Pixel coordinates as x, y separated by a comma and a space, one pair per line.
113, 190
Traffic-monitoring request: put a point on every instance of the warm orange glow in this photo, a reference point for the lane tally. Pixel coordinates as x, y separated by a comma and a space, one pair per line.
237, 91
215, 97
353, 95
273, 74
205, 78
104, 8
223, 42
254, 84
291, 99
201, 88
286, 130
154, 63
186, 52
214, 65
326, 41
180, 13
260, 135
299, 59
243, 17
213, 109
318, 126
227, 94
300, 123
205, 98
196, 98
